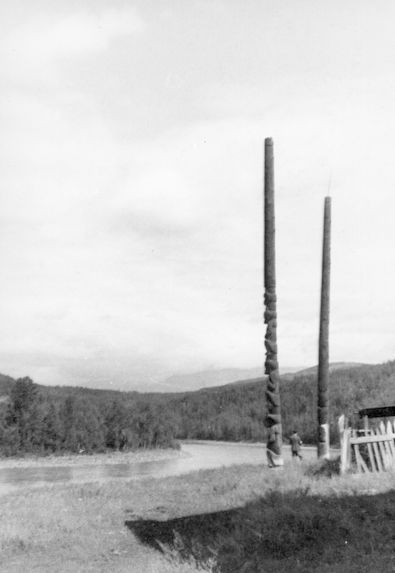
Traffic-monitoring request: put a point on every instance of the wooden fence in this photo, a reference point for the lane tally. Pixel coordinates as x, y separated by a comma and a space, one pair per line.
368, 450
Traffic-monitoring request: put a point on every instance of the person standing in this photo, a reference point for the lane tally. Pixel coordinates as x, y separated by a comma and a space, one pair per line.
296, 443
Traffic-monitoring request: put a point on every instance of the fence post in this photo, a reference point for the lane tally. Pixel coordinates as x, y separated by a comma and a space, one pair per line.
345, 453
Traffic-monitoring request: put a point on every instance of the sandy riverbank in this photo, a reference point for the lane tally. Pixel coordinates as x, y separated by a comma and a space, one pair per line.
91, 459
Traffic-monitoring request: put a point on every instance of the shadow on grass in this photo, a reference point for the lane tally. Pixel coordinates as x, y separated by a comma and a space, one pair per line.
306, 532
194, 536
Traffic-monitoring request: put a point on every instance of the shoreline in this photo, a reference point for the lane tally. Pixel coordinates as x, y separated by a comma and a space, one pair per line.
105, 458
129, 457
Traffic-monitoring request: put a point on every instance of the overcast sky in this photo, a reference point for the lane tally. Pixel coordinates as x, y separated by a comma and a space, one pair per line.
131, 183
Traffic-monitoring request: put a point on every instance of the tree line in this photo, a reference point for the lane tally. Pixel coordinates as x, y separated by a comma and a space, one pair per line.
69, 419
30, 422
238, 411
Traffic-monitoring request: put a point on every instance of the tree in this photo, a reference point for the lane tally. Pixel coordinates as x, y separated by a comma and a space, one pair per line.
67, 419
116, 425
82, 426
23, 414
51, 434
23, 396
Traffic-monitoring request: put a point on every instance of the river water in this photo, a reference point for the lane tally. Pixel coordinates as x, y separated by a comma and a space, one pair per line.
197, 456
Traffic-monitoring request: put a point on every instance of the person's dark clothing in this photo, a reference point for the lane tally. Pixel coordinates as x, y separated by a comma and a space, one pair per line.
296, 442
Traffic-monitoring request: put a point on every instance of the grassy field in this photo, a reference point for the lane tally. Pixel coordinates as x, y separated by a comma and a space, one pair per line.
266, 520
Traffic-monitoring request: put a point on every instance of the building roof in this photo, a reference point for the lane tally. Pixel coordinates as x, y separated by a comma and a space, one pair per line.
378, 412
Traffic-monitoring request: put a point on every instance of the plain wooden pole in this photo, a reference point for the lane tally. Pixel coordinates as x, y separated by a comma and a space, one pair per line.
323, 352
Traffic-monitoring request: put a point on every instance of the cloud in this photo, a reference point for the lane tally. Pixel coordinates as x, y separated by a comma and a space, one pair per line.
75, 34
131, 203
154, 249
34, 49
163, 286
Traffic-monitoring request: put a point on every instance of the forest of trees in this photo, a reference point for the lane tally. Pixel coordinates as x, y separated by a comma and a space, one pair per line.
32, 422
237, 411
43, 419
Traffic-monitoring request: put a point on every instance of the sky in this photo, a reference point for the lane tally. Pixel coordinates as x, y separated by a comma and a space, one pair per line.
131, 169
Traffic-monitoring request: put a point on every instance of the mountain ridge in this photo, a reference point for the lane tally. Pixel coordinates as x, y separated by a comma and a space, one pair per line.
195, 381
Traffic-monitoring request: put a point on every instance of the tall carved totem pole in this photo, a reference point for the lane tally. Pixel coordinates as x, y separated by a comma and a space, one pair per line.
273, 418
323, 352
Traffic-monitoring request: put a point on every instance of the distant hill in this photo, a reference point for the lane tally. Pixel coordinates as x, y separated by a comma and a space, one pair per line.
187, 382
214, 377
332, 367
290, 374
190, 382
236, 410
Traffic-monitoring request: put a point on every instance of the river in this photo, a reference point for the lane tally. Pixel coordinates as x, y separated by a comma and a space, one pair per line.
196, 456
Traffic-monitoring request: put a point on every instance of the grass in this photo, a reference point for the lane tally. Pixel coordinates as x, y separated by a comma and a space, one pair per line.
274, 521
309, 532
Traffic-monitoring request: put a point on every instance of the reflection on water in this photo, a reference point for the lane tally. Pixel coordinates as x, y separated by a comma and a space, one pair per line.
31, 475
197, 456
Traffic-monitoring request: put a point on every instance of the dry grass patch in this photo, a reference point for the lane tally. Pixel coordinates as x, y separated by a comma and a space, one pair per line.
82, 527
